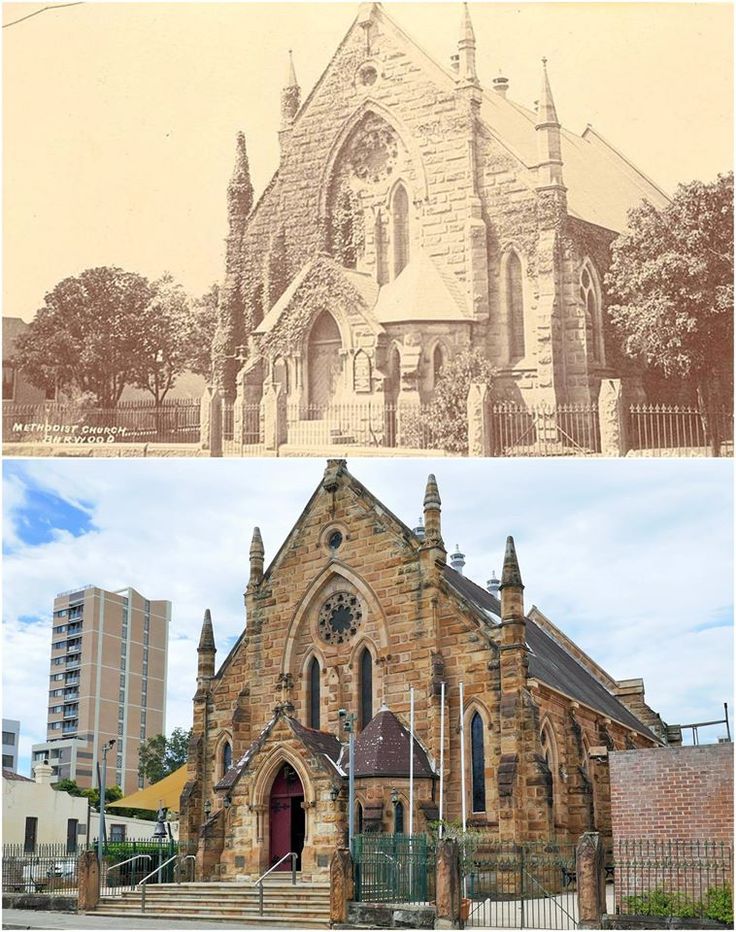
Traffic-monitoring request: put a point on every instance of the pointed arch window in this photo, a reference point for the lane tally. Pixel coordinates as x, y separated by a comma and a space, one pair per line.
514, 292
550, 756
381, 250
313, 694
399, 818
359, 819
478, 763
400, 219
590, 297
366, 687
227, 757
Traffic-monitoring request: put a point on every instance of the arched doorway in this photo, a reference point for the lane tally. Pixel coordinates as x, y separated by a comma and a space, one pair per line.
323, 360
286, 817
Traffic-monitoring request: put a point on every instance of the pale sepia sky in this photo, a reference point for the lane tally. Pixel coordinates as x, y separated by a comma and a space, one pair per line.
120, 118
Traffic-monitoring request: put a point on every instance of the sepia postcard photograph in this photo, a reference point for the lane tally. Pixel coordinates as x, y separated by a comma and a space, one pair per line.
380, 229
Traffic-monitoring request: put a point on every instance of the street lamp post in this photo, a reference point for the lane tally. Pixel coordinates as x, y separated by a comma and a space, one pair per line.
348, 723
101, 833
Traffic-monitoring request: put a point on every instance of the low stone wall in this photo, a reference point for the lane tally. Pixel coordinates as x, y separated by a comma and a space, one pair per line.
390, 916
656, 922
40, 901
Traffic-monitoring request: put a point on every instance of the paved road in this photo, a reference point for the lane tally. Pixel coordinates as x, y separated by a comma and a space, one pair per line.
42, 919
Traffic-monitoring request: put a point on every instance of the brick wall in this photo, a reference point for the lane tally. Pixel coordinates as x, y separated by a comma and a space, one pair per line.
673, 793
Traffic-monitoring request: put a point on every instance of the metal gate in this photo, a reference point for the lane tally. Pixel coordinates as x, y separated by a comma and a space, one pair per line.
393, 869
530, 886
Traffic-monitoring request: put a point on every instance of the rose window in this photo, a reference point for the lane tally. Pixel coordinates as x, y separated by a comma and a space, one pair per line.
340, 617
374, 152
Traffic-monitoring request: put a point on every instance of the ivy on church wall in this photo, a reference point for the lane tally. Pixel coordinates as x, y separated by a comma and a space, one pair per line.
325, 288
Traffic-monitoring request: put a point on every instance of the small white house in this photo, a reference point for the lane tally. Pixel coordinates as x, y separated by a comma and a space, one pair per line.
34, 813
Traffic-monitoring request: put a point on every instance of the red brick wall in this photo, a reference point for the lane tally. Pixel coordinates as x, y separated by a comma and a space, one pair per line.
673, 793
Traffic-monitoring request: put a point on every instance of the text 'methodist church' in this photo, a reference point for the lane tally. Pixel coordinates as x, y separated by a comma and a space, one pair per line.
354, 609
415, 213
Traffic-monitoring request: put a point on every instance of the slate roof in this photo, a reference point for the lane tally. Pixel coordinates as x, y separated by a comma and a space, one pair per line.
550, 662
382, 749
318, 742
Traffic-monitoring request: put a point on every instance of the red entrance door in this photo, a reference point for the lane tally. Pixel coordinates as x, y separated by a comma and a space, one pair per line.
286, 817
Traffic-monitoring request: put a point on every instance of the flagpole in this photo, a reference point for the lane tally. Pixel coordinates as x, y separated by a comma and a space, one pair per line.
462, 756
442, 754
411, 761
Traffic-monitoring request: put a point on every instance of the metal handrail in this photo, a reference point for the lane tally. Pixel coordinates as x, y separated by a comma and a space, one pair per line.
109, 870
259, 883
157, 869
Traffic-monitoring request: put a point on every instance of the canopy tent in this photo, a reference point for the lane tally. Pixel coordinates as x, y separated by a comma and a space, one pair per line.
165, 793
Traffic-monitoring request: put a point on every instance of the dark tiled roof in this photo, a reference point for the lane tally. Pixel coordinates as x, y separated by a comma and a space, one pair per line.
382, 749
319, 742
549, 662
12, 775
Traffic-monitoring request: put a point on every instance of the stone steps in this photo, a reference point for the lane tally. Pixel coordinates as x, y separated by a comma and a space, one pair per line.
304, 905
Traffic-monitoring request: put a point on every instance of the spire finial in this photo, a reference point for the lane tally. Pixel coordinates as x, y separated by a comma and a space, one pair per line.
207, 634
292, 81
466, 50
432, 514
546, 112
549, 143
511, 574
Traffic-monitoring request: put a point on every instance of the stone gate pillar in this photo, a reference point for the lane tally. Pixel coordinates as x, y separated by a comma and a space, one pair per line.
210, 421
479, 427
88, 881
341, 885
612, 418
591, 881
447, 884
273, 410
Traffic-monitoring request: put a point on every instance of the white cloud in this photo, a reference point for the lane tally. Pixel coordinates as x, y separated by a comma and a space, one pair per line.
629, 559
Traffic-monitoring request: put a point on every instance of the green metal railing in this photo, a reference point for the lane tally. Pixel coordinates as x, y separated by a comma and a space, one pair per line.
393, 868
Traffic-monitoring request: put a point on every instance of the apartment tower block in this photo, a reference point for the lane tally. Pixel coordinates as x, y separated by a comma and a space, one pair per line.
107, 680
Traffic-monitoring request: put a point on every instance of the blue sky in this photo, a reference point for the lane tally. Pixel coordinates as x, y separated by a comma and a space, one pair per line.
632, 559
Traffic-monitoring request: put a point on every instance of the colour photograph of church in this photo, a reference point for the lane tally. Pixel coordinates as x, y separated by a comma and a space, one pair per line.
353, 611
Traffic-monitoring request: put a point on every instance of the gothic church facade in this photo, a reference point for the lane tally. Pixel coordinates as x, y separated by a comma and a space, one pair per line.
354, 609
416, 214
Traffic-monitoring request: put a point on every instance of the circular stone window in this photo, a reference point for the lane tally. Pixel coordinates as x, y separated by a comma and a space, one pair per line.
368, 75
340, 618
334, 540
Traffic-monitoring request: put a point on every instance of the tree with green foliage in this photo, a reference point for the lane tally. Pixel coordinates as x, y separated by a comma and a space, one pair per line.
159, 756
202, 332
68, 786
671, 288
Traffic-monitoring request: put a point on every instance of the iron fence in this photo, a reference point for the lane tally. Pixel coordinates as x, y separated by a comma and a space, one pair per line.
68, 424
528, 886
46, 868
242, 429
544, 430
393, 869
678, 429
673, 878
127, 863
360, 424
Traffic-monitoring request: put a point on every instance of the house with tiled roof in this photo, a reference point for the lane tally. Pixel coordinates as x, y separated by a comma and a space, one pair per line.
461, 702
415, 214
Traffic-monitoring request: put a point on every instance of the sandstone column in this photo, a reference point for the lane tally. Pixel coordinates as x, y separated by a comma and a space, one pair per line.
88, 881
341, 885
591, 881
479, 432
447, 884
612, 417
210, 422
273, 408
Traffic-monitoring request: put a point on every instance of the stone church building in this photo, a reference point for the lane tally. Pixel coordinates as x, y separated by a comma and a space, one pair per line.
415, 214
353, 610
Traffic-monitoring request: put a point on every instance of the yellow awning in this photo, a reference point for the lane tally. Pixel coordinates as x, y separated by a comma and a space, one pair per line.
164, 793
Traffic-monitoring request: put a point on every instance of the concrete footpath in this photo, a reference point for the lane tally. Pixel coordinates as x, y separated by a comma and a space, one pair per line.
42, 919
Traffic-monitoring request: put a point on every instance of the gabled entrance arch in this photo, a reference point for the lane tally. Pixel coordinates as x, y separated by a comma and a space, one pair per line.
323, 360
286, 817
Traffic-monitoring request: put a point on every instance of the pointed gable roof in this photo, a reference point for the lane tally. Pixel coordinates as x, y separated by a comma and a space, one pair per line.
421, 292
549, 661
382, 749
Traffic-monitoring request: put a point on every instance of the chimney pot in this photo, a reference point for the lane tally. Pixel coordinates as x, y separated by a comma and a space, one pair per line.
501, 85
